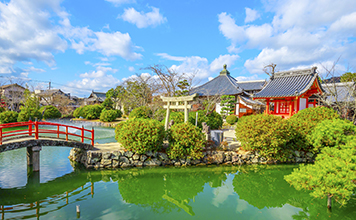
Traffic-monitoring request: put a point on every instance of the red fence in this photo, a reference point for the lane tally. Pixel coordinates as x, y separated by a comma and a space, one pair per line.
32, 129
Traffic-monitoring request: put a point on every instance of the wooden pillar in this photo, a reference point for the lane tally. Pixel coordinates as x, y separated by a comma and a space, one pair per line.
167, 117
33, 157
267, 107
290, 107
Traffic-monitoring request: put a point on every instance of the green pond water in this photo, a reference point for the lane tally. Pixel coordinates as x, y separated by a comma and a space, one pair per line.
214, 192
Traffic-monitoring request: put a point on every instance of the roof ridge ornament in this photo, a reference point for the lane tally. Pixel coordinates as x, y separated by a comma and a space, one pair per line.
225, 71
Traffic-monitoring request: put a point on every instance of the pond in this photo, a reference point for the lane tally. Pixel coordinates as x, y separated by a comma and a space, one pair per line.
214, 192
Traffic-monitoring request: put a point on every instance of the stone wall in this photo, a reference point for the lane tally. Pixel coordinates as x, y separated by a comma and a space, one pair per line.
123, 159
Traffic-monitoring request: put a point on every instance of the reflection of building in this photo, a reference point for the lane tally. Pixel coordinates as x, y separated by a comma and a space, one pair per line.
288, 92
225, 84
12, 95
95, 98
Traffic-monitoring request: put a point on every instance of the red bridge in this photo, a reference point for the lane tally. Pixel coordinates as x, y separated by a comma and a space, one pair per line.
34, 135
31, 129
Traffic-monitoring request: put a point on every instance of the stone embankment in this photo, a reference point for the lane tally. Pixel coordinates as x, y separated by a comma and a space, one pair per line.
123, 159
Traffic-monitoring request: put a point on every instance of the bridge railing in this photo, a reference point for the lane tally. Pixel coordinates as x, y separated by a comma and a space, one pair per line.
31, 128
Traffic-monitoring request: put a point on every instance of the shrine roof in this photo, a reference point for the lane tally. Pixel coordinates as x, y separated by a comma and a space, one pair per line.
224, 84
289, 83
251, 85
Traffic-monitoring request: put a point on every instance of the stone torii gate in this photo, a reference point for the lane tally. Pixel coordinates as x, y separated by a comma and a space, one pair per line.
184, 99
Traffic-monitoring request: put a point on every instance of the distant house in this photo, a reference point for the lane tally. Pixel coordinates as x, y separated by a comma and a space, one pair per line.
11, 96
225, 84
340, 92
48, 97
288, 92
95, 98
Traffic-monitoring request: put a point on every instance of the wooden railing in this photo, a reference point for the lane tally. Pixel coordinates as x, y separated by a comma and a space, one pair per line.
31, 128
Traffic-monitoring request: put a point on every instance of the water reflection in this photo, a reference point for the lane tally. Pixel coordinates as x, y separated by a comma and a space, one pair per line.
247, 192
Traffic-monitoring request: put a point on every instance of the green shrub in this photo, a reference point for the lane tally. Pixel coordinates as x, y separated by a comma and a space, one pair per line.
27, 113
177, 117
88, 111
185, 140
160, 114
2, 109
231, 119
304, 123
267, 134
331, 133
8, 117
50, 112
107, 104
201, 118
141, 112
78, 112
140, 135
213, 119
118, 113
108, 115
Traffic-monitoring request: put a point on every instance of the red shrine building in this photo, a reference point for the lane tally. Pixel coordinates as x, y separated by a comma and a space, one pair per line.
288, 92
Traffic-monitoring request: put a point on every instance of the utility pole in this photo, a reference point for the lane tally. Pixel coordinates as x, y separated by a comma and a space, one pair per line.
49, 85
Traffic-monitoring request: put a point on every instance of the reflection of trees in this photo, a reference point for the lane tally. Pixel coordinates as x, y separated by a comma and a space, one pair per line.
264, 186
167, 188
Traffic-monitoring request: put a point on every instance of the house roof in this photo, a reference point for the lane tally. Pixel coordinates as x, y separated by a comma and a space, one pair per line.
223, 84
97, 96
10, 85
289, 83
251, 85
341, 92
52, 92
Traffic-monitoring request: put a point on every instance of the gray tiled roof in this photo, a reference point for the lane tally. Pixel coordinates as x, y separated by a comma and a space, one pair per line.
221, 85
342, 92
289, 83
251, 85
250, 101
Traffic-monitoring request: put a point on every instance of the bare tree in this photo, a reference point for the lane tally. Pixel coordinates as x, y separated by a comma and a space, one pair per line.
270, 69
339, 96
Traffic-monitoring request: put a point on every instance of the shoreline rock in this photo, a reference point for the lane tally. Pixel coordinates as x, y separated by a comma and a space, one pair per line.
124, 159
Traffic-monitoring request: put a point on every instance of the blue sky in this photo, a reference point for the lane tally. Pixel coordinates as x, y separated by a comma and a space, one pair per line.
86, 45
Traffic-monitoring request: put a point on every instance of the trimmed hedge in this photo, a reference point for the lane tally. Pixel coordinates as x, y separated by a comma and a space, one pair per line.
109, 115
8, 117
88, 111
268, 134
304, 123
141, 112
27, 113
50, 112
185, 140
140, 135
231, 119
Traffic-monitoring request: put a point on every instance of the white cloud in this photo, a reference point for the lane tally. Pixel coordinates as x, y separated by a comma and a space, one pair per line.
301, 33
116, 43
26, 33
119, 2
251, 15
33, 69
98, 80
142, 19
219, 62
131, 69
199, 66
